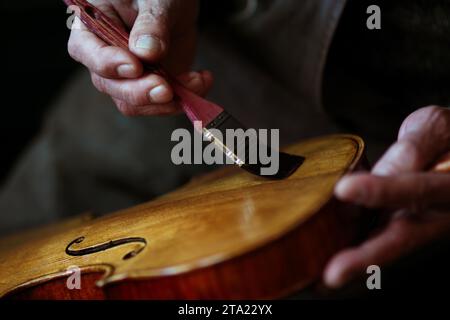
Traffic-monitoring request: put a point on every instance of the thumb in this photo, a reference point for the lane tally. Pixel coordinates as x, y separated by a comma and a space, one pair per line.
149, 36
423, 137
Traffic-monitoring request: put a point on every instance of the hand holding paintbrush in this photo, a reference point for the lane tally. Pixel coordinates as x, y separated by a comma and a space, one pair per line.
211, 115
163, 32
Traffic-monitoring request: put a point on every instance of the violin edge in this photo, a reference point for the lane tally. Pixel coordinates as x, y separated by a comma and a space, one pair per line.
116, 284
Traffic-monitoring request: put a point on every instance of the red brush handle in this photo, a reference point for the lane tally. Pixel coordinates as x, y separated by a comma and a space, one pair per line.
195, 107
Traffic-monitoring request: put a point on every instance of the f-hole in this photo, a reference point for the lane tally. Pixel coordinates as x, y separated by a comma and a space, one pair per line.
106, 246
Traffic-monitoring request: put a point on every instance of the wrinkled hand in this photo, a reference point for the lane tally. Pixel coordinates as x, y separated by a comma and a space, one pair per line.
161, 31
420, 200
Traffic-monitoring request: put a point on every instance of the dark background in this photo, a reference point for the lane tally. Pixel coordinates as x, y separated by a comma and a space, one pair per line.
35, 67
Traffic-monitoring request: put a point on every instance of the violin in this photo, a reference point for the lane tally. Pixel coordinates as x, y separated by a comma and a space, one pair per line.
226, 235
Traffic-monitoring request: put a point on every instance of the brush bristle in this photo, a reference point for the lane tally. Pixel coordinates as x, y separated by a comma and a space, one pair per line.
288, 164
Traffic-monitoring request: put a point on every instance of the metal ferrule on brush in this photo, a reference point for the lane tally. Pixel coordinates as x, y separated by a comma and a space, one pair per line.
288, 164
223, 122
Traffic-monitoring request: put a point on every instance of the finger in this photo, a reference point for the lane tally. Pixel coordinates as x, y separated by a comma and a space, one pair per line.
197, 82
148, 110
97, 56
400, 237
414, 191
149, 37
423, 137
150, 89
208, 78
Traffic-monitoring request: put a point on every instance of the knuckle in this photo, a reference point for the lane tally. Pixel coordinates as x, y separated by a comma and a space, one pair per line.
440, 117
155, 13
437, 119
408, 147
147, 16
410, 151
73, 49
391, 167
155, 17
106, 60
428, 116
433, 109
99, 83
132, 96
437, 116
128, 95
100, 65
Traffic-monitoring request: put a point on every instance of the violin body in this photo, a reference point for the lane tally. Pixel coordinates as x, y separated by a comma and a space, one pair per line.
227, 235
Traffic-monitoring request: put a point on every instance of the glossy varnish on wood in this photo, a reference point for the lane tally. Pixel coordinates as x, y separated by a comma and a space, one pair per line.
226, 235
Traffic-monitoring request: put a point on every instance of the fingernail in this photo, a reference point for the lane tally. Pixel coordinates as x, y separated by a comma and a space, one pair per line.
195, 82
125, 70
160, 94
148, 43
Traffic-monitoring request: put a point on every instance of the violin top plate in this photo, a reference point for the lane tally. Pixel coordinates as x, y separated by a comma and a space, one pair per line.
212, 219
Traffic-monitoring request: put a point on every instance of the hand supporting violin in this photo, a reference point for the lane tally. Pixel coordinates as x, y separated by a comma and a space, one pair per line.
162, 31
419, 199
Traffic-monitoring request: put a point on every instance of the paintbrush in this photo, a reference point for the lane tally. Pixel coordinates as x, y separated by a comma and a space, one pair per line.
196, 108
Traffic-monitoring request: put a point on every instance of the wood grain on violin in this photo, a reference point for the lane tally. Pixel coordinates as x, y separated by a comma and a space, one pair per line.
226, 235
